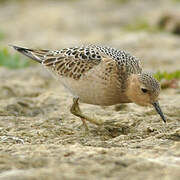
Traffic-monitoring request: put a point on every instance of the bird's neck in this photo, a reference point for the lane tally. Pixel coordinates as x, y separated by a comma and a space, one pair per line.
132, 85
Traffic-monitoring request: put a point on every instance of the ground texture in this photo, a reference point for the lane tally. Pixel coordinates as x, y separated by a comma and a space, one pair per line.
40, 139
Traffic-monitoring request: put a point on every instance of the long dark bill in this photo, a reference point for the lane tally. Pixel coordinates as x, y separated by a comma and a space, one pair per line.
159, 111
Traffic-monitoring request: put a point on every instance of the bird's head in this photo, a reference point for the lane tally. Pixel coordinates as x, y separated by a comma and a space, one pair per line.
144, 89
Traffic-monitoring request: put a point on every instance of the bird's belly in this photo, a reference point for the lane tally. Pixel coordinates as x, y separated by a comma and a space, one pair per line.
93, 91
97, 86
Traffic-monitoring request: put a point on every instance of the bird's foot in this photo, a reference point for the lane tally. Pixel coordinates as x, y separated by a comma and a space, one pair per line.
115, 128
77, 112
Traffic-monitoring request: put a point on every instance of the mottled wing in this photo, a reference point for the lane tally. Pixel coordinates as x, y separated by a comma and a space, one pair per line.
72, 62
126, 63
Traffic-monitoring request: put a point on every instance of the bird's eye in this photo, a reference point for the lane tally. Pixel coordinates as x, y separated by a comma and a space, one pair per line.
144, 90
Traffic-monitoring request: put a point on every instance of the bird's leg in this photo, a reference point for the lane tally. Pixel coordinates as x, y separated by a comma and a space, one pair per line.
77, 112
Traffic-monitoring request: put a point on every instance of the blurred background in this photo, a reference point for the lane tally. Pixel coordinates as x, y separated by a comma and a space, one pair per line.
40, 138
149, 29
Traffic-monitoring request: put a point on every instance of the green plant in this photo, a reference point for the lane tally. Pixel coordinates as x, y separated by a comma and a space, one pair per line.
12, 61
141, 25
2, 35
168, 80
176, 1
121, 1
167, 76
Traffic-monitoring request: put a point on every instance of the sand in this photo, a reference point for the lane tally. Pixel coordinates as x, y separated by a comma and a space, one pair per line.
41, 139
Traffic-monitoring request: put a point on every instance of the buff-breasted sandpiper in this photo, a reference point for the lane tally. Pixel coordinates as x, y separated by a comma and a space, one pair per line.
99, 75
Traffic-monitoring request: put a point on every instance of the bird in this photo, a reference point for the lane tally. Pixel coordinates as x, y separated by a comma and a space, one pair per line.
99, 75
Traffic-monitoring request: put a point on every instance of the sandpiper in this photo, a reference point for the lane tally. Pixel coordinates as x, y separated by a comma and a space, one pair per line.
99, 75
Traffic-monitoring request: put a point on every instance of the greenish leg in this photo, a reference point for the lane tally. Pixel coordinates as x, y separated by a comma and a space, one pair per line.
77, 112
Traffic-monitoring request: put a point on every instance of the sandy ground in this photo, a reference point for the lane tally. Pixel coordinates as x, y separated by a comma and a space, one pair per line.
40, 139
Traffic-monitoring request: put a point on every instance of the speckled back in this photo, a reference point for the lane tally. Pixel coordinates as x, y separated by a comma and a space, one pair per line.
74, 62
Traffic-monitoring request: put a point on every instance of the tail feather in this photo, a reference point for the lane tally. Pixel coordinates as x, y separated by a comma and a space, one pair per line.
29, 53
